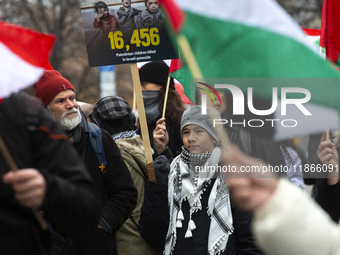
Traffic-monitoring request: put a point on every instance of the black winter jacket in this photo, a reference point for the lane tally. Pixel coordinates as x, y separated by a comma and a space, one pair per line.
117, 186
154, 223
34, 140
118, 193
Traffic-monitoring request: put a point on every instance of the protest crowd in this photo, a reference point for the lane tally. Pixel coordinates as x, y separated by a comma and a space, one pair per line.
77, 179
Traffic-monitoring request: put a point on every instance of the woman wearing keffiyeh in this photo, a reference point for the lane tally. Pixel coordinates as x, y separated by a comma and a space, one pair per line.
199, 218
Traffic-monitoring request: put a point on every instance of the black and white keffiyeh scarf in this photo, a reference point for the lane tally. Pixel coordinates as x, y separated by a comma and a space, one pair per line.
186, 182
124, 134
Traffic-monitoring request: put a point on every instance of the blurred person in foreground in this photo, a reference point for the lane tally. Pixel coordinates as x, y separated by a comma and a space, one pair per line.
51, 178
113, 179
286, 220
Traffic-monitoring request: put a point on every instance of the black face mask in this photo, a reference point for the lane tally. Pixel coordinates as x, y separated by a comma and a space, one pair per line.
151, 101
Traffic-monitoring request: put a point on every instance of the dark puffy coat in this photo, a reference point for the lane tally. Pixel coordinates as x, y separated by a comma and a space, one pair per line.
36, 141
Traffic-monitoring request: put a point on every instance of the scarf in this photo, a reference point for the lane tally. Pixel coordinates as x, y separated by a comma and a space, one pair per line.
187, 184
293, 163
151, 102
124, 134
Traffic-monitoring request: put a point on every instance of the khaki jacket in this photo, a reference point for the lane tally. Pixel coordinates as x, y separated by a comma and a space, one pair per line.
129, 240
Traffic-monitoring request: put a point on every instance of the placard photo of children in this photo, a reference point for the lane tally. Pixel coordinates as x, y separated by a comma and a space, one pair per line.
125, 31
151, 16
105, 21
126, 18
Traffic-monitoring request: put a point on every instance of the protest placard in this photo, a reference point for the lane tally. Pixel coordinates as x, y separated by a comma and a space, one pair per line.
122, 32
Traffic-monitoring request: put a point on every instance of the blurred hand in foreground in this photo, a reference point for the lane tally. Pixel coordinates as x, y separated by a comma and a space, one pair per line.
249, 190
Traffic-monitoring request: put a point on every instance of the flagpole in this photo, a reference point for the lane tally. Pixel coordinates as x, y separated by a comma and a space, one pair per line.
327, 135
189, 56
196, 73
327, 131
13, 167
166, 96
142, 121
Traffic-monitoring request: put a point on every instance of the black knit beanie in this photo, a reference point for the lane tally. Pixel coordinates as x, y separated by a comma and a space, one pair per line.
156, 72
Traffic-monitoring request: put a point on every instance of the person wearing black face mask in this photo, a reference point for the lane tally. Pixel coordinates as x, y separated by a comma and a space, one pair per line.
153, 77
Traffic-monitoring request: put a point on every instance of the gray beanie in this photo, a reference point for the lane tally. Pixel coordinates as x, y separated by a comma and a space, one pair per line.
193, 115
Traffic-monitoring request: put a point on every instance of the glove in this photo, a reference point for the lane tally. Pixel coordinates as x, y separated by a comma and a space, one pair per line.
162, 168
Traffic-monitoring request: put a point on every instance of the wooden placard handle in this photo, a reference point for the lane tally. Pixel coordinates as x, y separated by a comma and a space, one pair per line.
142, 121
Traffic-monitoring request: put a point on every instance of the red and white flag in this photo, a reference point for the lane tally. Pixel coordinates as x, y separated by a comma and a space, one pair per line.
24, 57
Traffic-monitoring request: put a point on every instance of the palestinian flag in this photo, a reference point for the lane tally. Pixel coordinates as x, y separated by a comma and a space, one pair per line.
176, 71
175, 65
258, 39
24, 57
330, 27
180, 73
313, 36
